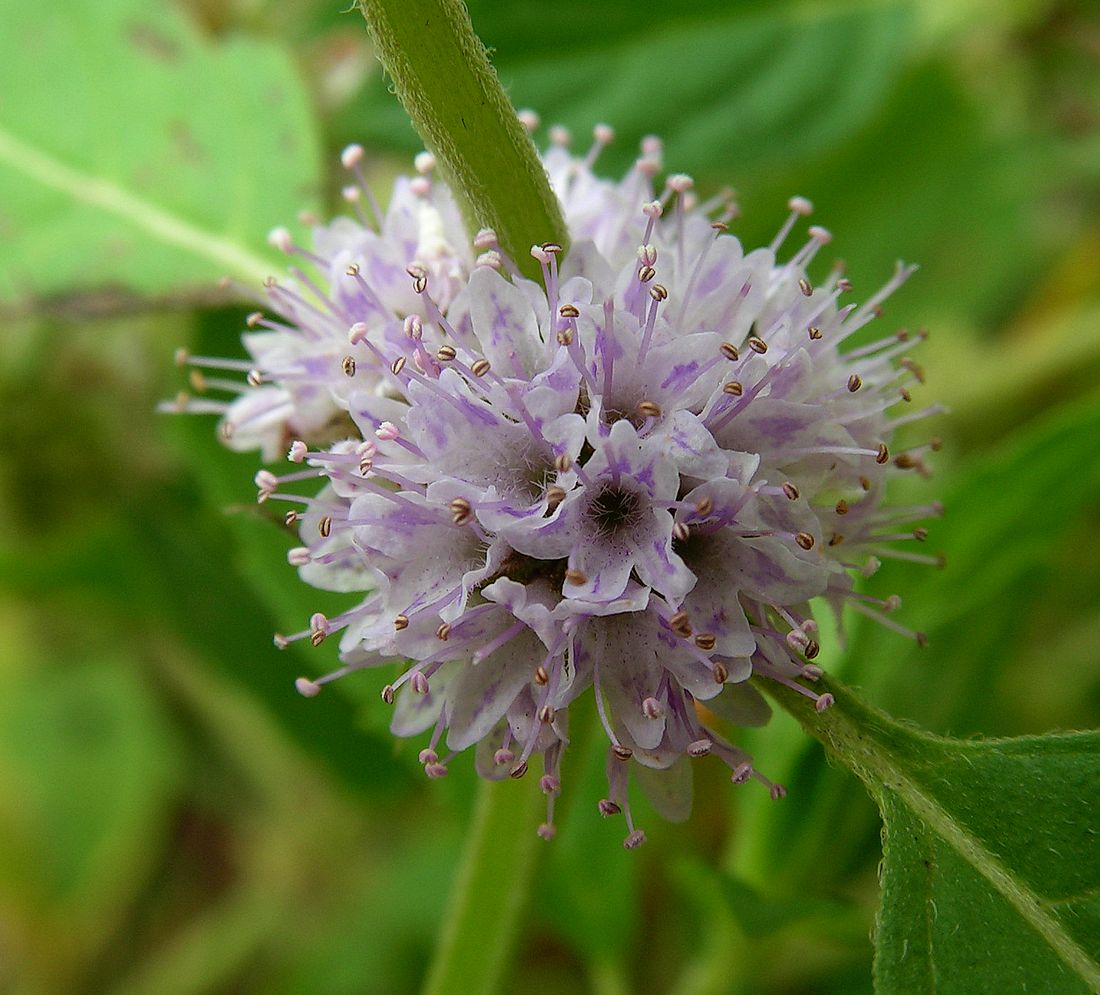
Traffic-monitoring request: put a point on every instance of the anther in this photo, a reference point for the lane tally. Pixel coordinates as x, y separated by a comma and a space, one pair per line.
721, 674
920, 534
290, 518
699, 747
280, 641
757, 345
565, 337
621, 752
542, 678
814, 332
480, 367
419, 684
804, 286
307, 688
575, 577
680, 623
255, 378
324, 526
445, 353
401, 622
254, 319
347, 364
317, 637
836, 539
634, 840
299, 556
388, 694
813, 648
546, 715
443, 632
855, 381
704, 506
652, 708
554, 496
729, 350
805, 540
552, 247
883, 454
563, 462
825, 702
658, 292
397, 365
649, 409
646, 273
790, 491
519, 770
569, 311
461, 511
841, 507
706, 641
904, 461
681, 531
606, 808
733, 388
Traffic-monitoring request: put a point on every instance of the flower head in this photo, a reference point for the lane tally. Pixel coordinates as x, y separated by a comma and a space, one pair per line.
629, 478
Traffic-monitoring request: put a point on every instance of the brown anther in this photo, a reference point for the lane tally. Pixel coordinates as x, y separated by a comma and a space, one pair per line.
706, 641
757, 345
729, 350
347, 364
841, 507
352, 270
844, 285
814, 332
704, 506
324, 526
904, 461
461, 511
445, 353
935, 443
254, 378
883, 454
813, 648
290, 518
922, 639
719, 226
915, 368
855, 381
877, 311
480, 367
554, 496
650, 409
542, 678
920, 534
836, 539
790, 491
865, 483
804, 286
365, 466
552, 247
546, 715
721, 674
575, 577
443, 633
420, 284
680, 623
804, 539
397, 365
254, 319
388, 694
733, 388
902, 334
565, 337
519, 770
198, 381
316, 638
569, 311
658, 292
401, 622
905, 395
622, 752
681, 531
646, 273
563, 462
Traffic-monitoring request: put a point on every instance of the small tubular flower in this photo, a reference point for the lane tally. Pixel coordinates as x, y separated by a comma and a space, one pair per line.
631, 478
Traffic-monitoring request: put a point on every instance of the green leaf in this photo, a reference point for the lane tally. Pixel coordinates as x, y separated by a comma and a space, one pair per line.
145, 155
991, 873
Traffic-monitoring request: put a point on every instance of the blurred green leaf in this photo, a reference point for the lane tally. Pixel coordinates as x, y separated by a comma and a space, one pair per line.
768, 83
991, 856
150, 157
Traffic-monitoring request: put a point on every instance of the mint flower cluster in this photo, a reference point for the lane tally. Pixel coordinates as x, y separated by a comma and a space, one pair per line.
628, 478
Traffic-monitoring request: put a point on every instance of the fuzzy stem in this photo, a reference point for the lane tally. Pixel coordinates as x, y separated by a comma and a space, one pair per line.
441, 73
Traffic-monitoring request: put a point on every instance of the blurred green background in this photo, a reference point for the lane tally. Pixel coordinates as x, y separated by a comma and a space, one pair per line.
173, 818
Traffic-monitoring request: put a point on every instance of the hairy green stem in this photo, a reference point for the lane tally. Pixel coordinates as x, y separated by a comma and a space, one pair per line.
441, 73
484, 913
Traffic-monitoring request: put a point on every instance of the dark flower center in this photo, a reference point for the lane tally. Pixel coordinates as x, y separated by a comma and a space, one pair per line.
614, 508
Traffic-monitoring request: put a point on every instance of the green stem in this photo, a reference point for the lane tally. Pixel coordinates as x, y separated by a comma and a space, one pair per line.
442, 76
484, 914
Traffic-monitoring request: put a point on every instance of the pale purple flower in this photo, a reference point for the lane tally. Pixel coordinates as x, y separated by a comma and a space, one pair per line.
630, 478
